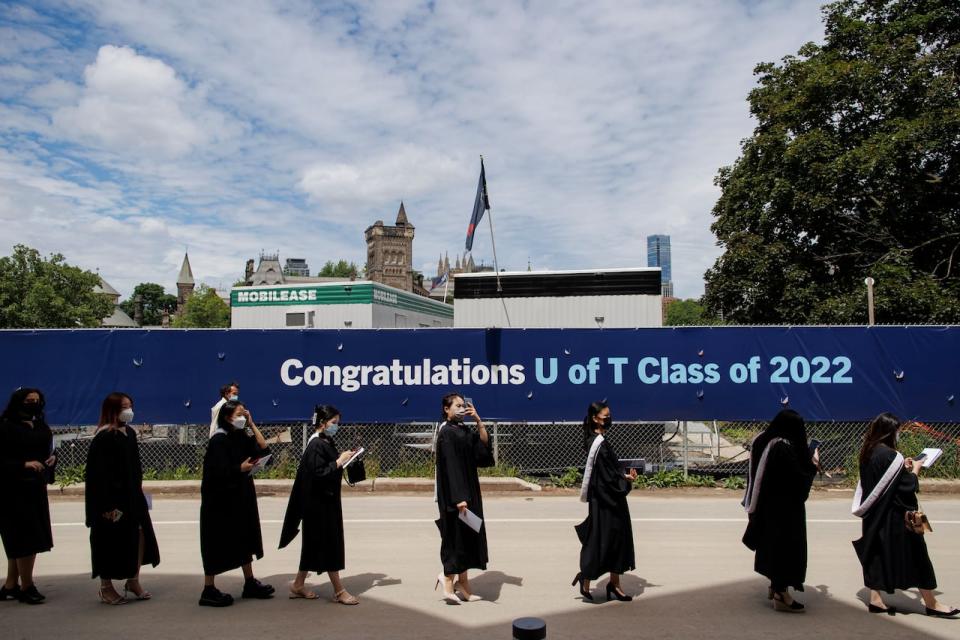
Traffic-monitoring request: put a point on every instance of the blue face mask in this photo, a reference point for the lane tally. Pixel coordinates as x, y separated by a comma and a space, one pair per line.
233, 398
331, 429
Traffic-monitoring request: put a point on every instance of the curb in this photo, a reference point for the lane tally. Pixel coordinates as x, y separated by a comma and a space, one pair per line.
191, 488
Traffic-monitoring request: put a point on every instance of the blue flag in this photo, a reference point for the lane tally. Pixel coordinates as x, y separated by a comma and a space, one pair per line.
480, 204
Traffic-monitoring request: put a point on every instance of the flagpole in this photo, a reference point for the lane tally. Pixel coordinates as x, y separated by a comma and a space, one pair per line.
493, 242
446, 285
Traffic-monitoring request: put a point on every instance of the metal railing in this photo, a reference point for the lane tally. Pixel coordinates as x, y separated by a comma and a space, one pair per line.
174, 452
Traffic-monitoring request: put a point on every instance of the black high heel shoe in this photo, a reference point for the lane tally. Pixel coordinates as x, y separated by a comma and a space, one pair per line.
583, 592
890, 611
612, 592
942, 614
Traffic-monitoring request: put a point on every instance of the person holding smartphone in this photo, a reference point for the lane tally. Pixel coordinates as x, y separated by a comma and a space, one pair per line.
121, 532
780, 473
315, 501
893, 556
26, 445
606, 536
229, 519
460, 451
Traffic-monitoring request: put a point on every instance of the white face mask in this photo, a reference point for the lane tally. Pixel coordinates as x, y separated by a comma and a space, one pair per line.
126, 416
240, 423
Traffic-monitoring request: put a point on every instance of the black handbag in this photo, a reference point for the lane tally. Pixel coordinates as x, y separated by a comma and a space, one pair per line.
356, 472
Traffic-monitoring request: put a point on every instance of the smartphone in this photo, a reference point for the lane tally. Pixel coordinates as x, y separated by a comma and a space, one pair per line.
920, 456
815, 444
468, 401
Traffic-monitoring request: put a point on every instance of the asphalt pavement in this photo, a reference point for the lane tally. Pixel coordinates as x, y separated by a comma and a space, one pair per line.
694, 578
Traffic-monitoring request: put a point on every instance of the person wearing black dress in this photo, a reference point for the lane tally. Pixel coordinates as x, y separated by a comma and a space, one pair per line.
121, 532
26, 456
315, 501
892, 556
779, 478
606, 535
460, 451
229, 518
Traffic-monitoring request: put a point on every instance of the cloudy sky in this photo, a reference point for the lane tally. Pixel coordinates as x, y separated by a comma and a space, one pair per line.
131, 130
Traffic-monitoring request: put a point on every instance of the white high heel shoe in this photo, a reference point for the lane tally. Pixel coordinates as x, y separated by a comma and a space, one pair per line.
448, 597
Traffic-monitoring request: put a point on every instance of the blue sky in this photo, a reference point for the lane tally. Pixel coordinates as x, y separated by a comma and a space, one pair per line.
130, 130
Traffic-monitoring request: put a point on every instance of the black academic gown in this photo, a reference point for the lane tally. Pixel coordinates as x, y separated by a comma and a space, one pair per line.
114, 480
459, 453
606, 535
777, 530
24, 510
315, 501
892, 557
229, 518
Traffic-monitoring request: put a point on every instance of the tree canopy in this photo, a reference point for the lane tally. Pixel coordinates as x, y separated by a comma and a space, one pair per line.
154, 301
852, 171
203, 309
685, 313
37, 292
340, 269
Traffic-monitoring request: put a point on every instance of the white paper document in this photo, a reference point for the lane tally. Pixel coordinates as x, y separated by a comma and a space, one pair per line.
471, 519
932, 454
260, 464
149, 498
356, 455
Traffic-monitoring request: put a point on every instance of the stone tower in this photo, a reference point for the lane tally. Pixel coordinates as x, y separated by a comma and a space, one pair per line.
390, 252
185, 284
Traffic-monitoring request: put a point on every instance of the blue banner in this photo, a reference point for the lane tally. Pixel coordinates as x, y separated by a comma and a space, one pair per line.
723, 373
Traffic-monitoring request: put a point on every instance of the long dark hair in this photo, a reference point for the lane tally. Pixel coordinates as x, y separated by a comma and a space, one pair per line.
323, 413
881, 430
588, 424
111, 408
15, 405
225, 417
445, 403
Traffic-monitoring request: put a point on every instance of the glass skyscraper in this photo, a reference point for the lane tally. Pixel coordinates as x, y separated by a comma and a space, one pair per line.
658, 255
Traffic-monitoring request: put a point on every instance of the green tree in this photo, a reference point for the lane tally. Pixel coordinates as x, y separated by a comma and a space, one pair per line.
154, 301
203, 309
688, 313
37, 292
853, 170
342, 269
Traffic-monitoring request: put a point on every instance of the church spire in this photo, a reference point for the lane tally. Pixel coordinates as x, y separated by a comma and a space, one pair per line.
402, 216
186, 274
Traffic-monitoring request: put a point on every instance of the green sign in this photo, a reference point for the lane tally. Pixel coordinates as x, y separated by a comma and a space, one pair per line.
313, 295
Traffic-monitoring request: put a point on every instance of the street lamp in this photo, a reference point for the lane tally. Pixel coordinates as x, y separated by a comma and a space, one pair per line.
869, 282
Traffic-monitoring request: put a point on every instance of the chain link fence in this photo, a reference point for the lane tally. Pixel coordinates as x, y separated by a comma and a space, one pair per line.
539, 449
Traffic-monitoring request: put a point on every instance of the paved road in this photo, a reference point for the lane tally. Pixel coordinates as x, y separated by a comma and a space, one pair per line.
694, 578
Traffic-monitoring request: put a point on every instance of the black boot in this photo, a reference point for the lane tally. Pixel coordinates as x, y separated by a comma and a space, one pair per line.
253, 588
213, 597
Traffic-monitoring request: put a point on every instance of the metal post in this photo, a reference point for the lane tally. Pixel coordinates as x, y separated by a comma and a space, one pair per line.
869, 282
686, 451
496, 445
303, 444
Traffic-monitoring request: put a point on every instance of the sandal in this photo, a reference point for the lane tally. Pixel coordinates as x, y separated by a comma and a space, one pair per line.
109, 600
302, 593
345, 599
143, 594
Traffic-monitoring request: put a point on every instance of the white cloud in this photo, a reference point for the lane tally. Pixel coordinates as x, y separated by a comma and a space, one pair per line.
231, 127
134, 104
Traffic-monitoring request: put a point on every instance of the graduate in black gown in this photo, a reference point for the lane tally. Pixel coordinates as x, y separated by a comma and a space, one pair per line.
229, 518
781, 471
892, 556
315, 501
121, 532
26, 458
460, 451
606, 535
